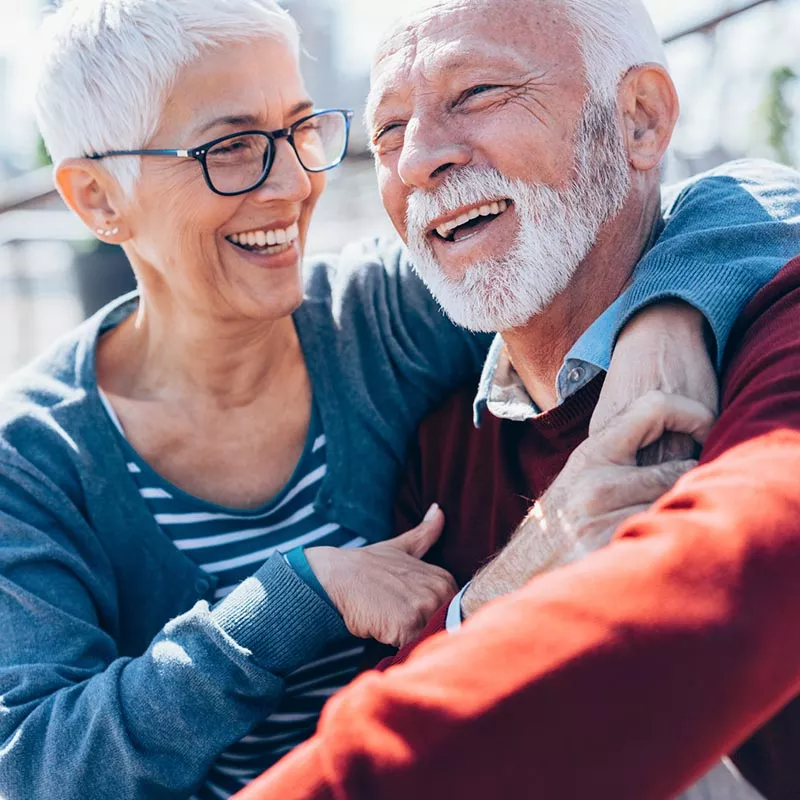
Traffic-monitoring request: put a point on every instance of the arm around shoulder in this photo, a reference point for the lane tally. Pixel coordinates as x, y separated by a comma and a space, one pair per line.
727, 233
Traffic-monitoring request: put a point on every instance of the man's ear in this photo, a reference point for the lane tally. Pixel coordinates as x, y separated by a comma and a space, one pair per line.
93, 195
650, 109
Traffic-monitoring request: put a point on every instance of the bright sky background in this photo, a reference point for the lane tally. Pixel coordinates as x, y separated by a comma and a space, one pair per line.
365, 19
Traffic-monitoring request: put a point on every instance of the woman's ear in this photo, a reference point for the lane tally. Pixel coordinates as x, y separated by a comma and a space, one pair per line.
92, 194
650, 109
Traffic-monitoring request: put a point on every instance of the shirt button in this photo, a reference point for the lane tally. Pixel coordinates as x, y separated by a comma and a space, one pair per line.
576, 375
201, 586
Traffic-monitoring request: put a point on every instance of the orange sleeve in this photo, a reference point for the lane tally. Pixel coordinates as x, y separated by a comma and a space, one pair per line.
626, 675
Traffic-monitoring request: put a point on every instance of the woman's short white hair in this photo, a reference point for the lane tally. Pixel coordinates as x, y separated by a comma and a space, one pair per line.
615, 36
108, 65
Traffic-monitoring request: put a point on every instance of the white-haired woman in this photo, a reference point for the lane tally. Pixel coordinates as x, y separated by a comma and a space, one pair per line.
162, 468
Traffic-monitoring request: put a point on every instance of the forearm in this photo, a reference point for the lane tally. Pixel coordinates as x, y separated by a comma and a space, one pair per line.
150, 727
535, 548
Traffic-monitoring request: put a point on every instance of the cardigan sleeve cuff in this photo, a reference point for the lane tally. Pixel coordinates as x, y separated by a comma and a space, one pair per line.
279, 618
720, 295
298, 561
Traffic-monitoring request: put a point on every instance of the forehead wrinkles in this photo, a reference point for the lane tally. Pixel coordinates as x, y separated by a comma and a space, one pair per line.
459, 33
414, 57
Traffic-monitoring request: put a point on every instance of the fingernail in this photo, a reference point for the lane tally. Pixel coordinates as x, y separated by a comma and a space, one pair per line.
431, 512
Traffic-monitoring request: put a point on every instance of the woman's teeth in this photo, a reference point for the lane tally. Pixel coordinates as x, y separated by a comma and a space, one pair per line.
266, 239
488, 210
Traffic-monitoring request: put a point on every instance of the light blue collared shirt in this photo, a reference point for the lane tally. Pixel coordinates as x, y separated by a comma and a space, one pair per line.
502, 392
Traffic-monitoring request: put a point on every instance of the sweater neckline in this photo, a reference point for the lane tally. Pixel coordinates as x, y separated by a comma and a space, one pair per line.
575, 410
329, 502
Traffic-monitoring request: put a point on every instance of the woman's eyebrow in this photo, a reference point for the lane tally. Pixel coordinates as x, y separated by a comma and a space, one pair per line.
250, 120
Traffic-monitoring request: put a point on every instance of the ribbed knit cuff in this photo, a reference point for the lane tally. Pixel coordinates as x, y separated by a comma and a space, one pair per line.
279, 618
720, 294
298, 561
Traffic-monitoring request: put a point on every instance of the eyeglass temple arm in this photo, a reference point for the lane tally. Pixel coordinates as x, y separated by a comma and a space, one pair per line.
176, 153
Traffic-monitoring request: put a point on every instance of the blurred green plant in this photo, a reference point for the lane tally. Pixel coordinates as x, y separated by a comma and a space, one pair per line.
42, 158
779, 113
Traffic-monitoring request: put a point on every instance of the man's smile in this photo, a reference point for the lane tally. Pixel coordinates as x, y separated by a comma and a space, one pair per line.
467, 221
471, 236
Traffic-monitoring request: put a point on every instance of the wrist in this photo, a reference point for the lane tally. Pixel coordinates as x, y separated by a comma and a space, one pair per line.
670, 317
470, 602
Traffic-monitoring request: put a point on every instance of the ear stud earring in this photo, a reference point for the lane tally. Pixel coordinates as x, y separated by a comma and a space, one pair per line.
110, 232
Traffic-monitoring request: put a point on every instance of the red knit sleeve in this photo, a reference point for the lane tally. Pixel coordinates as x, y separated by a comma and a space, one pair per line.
628, 674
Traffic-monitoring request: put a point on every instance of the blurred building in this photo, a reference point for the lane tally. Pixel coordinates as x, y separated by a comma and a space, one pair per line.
5, 116
322, 33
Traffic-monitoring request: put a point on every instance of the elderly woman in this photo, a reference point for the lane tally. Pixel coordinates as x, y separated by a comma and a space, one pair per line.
164, 466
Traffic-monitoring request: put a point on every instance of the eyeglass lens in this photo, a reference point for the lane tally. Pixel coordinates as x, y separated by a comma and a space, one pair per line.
238, 162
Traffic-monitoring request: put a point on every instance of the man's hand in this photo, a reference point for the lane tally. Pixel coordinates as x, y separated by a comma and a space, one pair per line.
662, 348
384, 591
599, 487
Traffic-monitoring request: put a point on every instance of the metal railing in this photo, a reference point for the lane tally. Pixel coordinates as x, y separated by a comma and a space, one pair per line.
31, 210
712, 24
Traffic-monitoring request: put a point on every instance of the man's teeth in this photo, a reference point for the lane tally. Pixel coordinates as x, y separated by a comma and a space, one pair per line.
264, 238
488, 210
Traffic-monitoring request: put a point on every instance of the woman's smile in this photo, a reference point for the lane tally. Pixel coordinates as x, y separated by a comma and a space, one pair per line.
275, 247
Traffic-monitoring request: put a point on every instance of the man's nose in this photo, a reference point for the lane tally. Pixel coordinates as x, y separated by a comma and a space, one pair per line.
287, 180
429, 153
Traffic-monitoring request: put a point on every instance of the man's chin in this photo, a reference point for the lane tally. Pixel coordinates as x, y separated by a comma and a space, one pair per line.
468, 298
488, 317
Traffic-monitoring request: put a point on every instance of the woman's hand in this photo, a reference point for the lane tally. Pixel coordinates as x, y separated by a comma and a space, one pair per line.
385, 591
598, 489
663, 348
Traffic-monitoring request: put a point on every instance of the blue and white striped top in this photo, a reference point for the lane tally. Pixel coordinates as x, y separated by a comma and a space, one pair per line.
232, 545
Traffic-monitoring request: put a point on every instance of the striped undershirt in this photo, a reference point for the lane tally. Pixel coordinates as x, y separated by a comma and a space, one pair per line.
232, 545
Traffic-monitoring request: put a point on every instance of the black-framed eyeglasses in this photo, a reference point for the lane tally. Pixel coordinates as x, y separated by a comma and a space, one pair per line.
241, 162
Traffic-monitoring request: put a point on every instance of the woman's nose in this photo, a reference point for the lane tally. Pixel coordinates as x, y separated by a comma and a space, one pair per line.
287, 179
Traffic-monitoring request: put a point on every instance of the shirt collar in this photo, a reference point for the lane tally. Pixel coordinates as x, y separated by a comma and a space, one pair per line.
502, 392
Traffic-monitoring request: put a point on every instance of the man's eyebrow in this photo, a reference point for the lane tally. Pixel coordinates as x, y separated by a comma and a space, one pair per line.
374, 103
249, 120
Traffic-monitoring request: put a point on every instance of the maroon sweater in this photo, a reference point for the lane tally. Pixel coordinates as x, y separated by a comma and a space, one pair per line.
624, 676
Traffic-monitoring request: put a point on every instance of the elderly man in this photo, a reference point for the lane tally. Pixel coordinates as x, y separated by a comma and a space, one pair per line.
527, 190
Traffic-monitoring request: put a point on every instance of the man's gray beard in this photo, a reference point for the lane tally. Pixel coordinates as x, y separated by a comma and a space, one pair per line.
557, 229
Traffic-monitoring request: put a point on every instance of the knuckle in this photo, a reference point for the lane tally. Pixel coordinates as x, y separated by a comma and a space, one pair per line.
673, 470
654, 481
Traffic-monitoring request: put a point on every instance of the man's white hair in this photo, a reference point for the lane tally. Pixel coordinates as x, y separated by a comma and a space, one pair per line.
107, 67
615, 36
